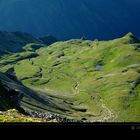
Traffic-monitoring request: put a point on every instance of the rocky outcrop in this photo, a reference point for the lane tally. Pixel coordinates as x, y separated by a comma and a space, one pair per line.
52, 116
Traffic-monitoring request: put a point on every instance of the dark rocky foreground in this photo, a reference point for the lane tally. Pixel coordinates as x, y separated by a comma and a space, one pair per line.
51, 116
14, 97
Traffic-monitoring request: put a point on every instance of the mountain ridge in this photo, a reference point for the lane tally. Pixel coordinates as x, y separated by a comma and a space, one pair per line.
15, 41
100, 19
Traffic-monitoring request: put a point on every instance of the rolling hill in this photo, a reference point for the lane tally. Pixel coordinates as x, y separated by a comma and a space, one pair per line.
94, 81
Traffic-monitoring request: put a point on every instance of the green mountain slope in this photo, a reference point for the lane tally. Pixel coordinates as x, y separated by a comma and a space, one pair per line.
82, 79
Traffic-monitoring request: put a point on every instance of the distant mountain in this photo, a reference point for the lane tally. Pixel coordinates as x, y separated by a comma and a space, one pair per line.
102, 19
48, 40
14, 41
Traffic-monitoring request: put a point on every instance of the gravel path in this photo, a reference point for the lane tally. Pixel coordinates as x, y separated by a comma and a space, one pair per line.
108, 115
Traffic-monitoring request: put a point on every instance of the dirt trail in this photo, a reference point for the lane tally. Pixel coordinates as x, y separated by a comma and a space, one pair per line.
108, 113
